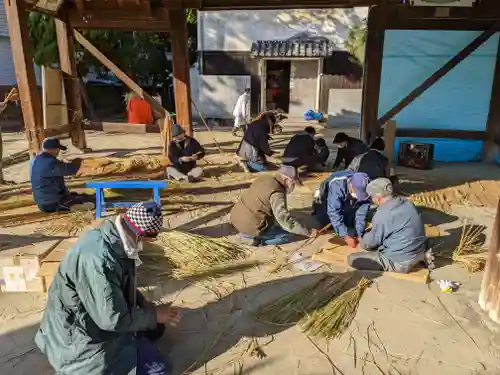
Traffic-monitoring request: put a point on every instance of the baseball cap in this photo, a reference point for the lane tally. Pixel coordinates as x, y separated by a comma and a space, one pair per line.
359, 182
290, 172
380, 187
53, 144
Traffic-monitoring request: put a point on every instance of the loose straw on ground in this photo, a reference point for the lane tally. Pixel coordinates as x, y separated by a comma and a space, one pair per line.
335, 317
470, 251
291, 308
194, 254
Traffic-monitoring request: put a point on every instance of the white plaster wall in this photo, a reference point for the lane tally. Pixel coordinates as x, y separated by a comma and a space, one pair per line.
344, 107
303, 85
236, 30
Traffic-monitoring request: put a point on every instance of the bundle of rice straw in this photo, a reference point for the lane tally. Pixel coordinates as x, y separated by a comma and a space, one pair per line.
292, 307
110, 166
335, 317
72, 223
194, 254
470, 251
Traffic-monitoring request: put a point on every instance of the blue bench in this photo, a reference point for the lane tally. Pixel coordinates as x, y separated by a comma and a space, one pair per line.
101, 205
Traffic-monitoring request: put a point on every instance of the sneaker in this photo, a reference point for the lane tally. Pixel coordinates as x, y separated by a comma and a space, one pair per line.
429, 259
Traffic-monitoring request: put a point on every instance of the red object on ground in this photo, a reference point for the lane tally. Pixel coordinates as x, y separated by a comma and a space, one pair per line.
139, 111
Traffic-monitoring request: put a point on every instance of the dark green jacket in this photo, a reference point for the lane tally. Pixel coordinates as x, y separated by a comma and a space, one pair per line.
89, 322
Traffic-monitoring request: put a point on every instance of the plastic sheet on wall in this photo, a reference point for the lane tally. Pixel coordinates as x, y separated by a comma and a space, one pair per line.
448, 150
460, 100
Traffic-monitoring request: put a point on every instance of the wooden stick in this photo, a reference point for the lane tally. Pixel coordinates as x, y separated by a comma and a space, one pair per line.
206, 125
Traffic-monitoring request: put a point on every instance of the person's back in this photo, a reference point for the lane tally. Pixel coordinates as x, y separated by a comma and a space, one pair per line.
301, 149
405, 233
252, 214
139, 111
75, 333
46, 180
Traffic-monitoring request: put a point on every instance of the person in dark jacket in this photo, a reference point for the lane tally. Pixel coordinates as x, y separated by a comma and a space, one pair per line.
349, 148
96, 322
301, 151
343, 202
254, 146
183, 153
397, 240
261, 214
47, 180
373, 162
322, 151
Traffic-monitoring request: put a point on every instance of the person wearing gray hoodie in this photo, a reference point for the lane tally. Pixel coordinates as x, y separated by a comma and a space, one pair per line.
397, 240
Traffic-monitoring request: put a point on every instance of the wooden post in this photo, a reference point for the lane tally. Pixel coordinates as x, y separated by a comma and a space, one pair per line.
319, 86
389, 138
489, 297
17, 19
180, 66
372, 73
65, 42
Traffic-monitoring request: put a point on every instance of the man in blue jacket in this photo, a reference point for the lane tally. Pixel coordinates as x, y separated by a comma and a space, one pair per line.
342, 201
47, 179
397, 240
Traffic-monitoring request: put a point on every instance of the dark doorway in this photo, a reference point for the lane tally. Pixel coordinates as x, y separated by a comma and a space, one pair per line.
278, 85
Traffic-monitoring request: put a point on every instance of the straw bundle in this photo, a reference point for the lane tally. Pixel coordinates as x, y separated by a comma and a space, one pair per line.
194, 254
292, 307
72, 223
335, 317
470, 251
16, 201
110, 166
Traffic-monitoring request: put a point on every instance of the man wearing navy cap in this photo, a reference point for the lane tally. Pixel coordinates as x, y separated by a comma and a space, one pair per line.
342, 201
47, 180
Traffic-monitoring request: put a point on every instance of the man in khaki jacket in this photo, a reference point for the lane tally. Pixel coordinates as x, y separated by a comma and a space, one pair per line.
262, 215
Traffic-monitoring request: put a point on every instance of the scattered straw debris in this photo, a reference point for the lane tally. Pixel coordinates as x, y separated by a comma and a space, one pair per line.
111, 166
254, 349
72, 223
292, 307
335, 317
470, 252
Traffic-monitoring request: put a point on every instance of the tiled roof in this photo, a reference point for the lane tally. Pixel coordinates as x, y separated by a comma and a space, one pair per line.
295, 47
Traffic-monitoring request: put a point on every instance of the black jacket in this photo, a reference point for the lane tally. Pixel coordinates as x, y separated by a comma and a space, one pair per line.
373, 163
257, 135
300, 150
354, 148
188, 147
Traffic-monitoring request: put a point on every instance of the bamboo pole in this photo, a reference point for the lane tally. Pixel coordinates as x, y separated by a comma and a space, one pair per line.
489, 297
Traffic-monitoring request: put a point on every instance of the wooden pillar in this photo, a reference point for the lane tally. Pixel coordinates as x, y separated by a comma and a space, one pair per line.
389, 139
180, 66
17, 19
372, 74
66, 45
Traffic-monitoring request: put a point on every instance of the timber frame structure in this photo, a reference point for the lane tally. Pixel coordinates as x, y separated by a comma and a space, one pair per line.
169, 15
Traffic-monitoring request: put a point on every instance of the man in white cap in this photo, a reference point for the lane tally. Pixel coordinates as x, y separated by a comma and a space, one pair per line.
183, 153
96, 321
47, 174
261, 214
397, 240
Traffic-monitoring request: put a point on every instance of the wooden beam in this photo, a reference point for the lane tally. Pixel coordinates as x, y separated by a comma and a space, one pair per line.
17, 19
441, 133
66, 46
440, 73
180, 65
493, 122
372, 73
126, 20
120, 74
58, 131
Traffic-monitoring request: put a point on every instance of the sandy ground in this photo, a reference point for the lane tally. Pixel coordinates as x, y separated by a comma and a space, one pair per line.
401, 327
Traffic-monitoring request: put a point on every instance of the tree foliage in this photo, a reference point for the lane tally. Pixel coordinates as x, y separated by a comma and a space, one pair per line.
142, 55
355, 43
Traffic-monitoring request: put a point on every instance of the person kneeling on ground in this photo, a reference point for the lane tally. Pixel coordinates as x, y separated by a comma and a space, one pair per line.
342, 201
349, 148
373, 162
183, 153
261, 214
254, 146
47, 180
397, 240
96, 322
301, 151
322, 152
